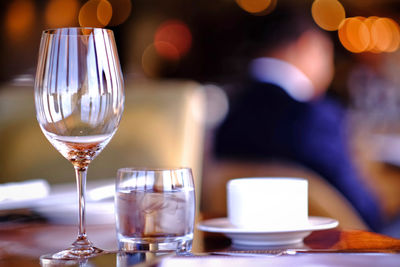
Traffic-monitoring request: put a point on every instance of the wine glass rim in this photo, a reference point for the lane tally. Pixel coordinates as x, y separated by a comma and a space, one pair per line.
53, 31
153, 169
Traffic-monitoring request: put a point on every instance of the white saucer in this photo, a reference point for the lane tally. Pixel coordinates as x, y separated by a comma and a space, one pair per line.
267, 237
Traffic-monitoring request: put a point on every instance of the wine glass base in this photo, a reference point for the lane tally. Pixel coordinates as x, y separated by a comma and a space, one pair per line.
70, 256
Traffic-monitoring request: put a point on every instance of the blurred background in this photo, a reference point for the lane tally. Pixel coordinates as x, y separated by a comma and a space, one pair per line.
203, 34
205, 40
200, 44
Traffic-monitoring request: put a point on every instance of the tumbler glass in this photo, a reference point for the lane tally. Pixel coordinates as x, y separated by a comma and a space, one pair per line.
155, 209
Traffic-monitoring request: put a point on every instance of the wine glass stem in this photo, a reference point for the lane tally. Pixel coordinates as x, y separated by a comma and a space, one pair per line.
80, 173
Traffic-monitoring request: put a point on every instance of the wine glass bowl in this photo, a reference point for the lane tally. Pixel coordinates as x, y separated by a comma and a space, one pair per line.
79, 99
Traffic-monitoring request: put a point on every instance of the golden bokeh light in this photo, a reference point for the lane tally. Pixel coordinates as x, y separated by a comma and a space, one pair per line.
104, 12
328, 14
395, 30
369, 22
121, 9
19, 19
95, 13
154, 65
61, 13
385, 34
354, 34
257, 7
150, 61
167, 50
175, 33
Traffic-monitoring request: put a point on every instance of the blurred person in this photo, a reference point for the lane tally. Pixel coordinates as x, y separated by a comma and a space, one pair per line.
282, 110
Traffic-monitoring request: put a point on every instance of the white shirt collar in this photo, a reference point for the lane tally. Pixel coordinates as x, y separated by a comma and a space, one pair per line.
284, 75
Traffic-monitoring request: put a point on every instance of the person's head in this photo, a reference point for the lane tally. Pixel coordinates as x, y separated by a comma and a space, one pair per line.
293, 37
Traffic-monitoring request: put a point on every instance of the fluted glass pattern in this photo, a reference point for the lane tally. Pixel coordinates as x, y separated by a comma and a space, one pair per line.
79, 98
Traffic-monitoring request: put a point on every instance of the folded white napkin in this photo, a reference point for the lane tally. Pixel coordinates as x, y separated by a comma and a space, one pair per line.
21, 191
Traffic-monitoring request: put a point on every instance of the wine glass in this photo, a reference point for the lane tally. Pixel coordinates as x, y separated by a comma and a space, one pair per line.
79, 98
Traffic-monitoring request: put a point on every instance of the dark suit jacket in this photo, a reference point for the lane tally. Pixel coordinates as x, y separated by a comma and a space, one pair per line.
266, 123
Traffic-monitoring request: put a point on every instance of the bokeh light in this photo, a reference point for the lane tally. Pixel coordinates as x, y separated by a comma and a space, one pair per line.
372, 34
385, 35
217, 105
395, 30
154, 65
357, 34
354, 35
257, 7
328, 14
167, 50
95, 13
104, 12
121, 9
150, 61
61, 13
19, 19
369, 22
173, 39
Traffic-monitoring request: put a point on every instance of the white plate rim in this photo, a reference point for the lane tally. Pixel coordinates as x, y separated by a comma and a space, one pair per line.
222, 225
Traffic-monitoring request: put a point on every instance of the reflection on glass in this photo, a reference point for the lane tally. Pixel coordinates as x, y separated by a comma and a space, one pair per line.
79, 101
118, 259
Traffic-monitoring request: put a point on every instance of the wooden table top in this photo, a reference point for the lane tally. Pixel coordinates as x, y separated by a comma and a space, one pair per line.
22, 245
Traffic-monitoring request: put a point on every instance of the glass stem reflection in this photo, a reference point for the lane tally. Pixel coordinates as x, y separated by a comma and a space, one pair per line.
80, 173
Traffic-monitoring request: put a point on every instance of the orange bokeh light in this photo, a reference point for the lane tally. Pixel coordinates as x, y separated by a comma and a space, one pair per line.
19, 19
395, 29
104, 12
167, 50
386, 36
257, 7
95, 13
328, 14
369, 22
177, 35
354, 34
154, 65
150, 61
61, 13
121, 9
